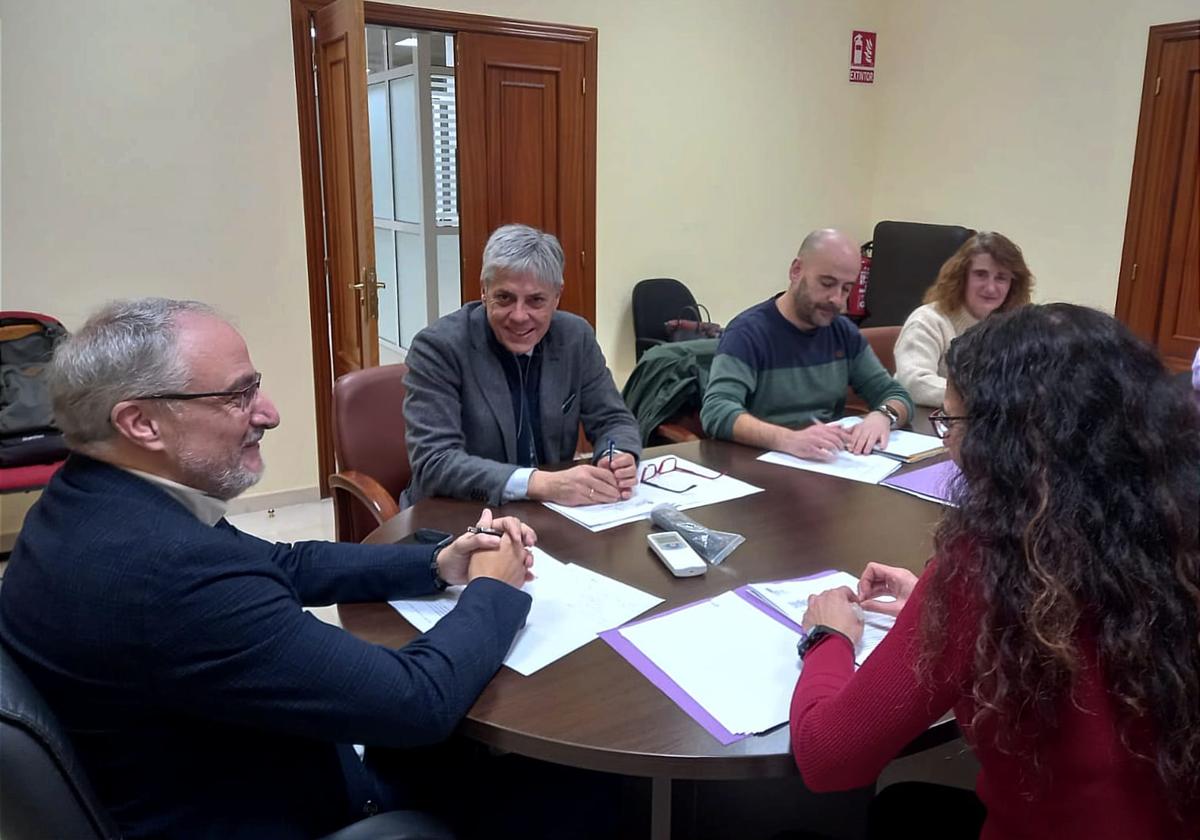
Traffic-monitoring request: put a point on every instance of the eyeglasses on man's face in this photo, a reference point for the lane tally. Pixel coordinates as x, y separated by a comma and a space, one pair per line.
239, 398
943, 422
667, 465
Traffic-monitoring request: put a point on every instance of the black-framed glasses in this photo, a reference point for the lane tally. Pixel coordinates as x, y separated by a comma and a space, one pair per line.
243, 398
670, 464
942, 422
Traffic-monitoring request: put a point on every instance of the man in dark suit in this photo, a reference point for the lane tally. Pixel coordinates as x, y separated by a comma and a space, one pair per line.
202, 699
499, 388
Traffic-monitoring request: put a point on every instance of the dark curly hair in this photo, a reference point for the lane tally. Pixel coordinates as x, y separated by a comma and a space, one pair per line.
1079, 513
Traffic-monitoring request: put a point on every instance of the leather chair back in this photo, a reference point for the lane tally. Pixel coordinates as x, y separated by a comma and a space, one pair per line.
883, 342
905, 260
656, 301
44, 792
369, 436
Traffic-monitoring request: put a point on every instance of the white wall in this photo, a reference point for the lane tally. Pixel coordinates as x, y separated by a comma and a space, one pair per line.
1019, 117
151, 147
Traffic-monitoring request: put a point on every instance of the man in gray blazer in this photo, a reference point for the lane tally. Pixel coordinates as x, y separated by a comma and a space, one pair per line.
499, 388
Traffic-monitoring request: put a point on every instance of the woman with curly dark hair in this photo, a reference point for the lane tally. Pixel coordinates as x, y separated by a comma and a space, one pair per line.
1060, 616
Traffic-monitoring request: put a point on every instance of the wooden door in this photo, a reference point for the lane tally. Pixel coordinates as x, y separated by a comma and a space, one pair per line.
525, 152
341, 64
1159, 292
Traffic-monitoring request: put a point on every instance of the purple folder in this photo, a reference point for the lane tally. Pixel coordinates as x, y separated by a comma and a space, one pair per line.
931, 483
671, 688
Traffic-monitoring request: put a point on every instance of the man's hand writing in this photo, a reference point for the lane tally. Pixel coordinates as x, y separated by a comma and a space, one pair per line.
818, 442
624, 470
581, 485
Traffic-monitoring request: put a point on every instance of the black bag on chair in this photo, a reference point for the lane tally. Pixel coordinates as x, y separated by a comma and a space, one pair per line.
27, 433
690, 329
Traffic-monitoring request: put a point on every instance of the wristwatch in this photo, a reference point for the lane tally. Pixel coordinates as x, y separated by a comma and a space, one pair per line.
815, 636
890, 413
439, 582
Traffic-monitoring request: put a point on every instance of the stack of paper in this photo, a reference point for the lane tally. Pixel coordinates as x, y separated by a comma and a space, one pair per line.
790, 597
869, 469
571, 605
730, 662
906, 447
678, 488
736, 662
931, 483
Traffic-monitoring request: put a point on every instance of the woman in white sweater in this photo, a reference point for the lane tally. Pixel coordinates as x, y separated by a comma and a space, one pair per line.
987, 274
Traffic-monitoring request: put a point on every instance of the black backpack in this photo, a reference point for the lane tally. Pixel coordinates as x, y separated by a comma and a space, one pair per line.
27, 432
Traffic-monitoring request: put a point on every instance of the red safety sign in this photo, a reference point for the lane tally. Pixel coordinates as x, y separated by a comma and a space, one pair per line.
862, 57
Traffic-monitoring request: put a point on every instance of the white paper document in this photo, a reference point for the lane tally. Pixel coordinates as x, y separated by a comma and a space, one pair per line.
790, 597
869, 469
907, 446
677, 487
735, 661
571, 605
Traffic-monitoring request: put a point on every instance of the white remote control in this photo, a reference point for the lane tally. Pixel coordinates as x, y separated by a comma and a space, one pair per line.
676, 554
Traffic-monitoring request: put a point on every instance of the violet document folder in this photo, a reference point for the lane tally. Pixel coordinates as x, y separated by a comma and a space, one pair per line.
669, 687
931, 483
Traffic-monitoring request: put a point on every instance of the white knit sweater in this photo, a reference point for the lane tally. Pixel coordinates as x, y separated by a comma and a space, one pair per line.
921, 351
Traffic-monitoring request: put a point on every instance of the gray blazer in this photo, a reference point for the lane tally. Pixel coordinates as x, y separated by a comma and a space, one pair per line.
462, 435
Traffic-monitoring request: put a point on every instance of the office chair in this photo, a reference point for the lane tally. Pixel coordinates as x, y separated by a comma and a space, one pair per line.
372, 454
44, 791
655, 302
905, 260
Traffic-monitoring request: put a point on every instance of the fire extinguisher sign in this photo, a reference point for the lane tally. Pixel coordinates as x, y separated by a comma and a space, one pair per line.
862, 57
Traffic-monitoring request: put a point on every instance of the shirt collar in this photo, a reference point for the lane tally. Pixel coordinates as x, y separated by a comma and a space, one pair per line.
208, 509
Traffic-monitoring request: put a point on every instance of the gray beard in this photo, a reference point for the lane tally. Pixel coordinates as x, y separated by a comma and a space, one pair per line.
223, 481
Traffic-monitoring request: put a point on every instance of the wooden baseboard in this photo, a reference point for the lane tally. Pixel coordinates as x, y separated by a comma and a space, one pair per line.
278, 499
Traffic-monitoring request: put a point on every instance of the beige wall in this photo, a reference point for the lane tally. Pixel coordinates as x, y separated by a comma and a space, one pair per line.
1019, 117
725, 132
150, 146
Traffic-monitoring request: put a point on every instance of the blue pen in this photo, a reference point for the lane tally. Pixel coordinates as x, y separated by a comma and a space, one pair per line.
611, 445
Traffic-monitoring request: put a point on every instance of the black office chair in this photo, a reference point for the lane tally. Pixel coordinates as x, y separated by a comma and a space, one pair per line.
44, 791
656, 301
905, 260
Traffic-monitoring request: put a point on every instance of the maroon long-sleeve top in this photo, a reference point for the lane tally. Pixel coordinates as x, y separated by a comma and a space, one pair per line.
846, 726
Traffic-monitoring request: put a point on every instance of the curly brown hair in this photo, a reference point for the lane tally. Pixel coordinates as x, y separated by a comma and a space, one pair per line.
949, 289
1080, 500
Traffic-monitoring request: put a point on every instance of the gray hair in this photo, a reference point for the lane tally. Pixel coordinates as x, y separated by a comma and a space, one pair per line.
127, 349
520, 248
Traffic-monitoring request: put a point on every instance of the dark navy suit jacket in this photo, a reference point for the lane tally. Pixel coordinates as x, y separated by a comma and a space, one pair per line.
203, 701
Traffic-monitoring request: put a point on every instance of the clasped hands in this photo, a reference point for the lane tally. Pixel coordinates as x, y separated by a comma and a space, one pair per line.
587, 484
836, 608
823, 441
506, 558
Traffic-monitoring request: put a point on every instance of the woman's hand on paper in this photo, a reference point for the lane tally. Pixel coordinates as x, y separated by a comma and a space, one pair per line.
880, 581
837, 609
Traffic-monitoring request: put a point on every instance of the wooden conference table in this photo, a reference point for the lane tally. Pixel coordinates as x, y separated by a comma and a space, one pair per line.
592, 709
